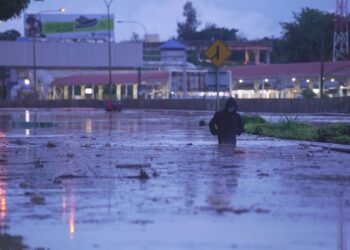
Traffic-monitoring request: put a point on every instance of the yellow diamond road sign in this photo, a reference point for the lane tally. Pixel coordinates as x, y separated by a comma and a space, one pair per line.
218, 53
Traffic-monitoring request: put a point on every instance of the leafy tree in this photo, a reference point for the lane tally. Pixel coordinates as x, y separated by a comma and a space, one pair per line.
308, 93
12, 8
9, 35
302, 38
187, 30
135, 37
211, 32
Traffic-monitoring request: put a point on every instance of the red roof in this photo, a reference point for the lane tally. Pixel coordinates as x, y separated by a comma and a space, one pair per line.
291, 70
118, 78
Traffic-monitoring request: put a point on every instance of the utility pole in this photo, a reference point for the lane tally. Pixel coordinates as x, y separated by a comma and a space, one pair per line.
322, 65
108, 5
341, 31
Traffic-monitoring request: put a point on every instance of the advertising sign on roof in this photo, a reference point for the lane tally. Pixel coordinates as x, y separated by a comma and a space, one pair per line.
64, 26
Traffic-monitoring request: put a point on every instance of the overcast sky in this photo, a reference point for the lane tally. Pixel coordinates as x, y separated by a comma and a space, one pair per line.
253, 18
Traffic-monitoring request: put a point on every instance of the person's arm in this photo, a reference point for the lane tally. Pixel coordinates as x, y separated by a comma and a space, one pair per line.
213, 125
240, 125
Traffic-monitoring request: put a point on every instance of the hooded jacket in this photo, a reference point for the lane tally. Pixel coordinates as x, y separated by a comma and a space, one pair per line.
225, 124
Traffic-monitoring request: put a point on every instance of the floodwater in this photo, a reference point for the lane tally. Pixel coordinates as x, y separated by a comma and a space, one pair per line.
77, 185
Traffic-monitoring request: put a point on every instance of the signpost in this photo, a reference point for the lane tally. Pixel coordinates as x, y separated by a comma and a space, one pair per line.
217, 53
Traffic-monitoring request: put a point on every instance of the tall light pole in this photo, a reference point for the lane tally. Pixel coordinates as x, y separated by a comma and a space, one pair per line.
135, 22
108, 5
33, 35
144, 39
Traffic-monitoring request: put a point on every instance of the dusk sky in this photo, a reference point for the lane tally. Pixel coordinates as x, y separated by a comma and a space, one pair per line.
253, 18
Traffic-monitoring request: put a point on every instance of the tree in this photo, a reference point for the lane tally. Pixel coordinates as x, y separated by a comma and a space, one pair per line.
12, 8
135, 37
302, 38
211, 32
9, 35
308, 93
187, 30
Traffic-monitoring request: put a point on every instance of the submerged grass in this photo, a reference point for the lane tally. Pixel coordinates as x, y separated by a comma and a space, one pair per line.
292, 129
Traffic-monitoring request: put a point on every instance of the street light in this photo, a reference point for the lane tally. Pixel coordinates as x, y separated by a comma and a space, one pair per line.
135, 22
33, 35
144, 39
108, 5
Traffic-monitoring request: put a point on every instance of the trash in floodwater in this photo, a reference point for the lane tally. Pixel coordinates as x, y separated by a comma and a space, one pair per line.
239, 151
38, 164
141, 176
155, 174
202, 123
38, 200
146, 165
232, 210
12, 242
51, 144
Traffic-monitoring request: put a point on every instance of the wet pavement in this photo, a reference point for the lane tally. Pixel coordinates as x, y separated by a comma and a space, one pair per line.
78, 185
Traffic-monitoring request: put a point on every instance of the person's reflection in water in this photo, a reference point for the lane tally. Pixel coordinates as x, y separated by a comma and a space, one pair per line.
223, 182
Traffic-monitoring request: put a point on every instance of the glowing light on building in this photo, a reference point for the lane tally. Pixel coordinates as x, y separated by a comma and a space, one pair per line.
26, 82
88, 91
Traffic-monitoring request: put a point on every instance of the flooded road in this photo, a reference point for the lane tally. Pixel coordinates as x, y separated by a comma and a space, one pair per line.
157, 180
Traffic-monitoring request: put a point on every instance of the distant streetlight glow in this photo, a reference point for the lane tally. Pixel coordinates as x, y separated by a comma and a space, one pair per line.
308, 80
266, 80
294, 79
240, 80
26, 82
332, 80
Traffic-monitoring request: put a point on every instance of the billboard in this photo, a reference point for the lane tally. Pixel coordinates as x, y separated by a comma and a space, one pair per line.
66, 26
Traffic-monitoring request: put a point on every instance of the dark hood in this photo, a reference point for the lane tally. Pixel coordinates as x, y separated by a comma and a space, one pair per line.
231, 102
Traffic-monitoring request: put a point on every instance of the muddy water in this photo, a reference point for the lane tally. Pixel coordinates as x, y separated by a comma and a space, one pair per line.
77, 185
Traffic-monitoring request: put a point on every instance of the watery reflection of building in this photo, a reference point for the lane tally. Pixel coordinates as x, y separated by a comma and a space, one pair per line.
68, 208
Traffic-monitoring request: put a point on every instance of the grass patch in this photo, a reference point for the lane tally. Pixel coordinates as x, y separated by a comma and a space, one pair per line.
292, 129
337, 133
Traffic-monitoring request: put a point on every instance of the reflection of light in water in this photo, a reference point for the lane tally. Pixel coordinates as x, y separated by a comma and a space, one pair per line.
27, 116
71, 207
88, 126
72, 216
3, 207
27, 119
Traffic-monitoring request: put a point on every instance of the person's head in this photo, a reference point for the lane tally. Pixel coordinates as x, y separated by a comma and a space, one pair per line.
231, 105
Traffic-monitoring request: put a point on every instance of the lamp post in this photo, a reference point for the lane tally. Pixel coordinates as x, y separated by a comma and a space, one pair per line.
108, 5
33, 35
144, 39
135, 22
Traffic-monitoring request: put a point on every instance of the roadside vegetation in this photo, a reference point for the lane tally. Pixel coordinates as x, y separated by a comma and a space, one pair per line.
292, 129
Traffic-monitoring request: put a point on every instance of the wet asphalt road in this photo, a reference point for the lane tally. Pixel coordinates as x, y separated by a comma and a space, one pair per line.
77, 185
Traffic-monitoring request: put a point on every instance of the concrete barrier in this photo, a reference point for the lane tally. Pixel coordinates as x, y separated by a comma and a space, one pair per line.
333, 105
